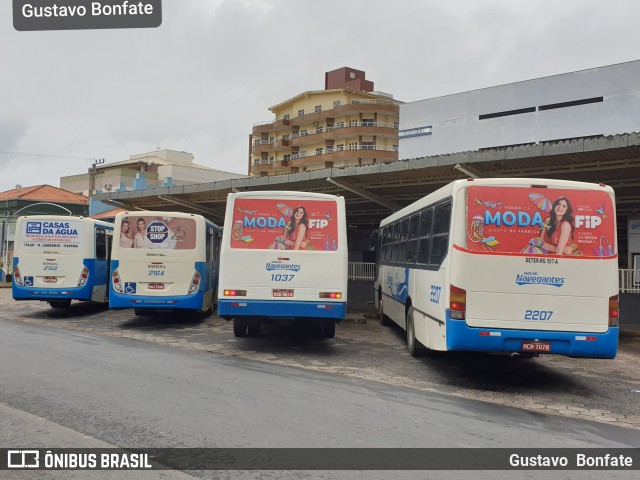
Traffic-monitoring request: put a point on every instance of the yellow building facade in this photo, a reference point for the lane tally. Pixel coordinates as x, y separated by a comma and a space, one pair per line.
336, 127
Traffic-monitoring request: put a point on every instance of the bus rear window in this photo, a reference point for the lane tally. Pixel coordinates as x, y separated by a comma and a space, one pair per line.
286, 224
154, 232
61, 236
540, 221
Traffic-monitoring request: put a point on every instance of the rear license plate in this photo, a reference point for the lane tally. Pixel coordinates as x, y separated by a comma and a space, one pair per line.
156, 286
49, 279
536, 346
281, 293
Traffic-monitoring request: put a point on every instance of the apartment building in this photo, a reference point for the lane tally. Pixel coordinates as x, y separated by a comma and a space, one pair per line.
346, 124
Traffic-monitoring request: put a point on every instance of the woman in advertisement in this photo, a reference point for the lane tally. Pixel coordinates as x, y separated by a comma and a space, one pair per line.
126, 240
296, 231
558, 235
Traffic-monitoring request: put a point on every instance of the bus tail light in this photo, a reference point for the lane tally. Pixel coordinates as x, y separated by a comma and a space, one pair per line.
457, 302
332, 295
235, 293
614, 311
195, 283
117, 284
84, 276
16, 276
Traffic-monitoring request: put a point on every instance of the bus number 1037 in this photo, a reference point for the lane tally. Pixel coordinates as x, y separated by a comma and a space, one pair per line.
281, 277
542, 315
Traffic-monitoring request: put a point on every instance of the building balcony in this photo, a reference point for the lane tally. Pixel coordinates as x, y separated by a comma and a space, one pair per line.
322, 113
327, 158
279, 125
321, 134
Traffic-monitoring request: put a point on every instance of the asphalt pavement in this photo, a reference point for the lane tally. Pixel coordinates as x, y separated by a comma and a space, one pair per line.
602, 390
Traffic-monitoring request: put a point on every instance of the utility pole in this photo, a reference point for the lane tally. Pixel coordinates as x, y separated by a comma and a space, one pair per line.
93, 173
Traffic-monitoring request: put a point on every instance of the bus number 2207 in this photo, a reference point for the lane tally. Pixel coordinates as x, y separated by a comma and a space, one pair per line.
543, 315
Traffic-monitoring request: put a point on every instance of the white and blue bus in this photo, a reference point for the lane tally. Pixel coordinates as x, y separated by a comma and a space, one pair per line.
524, 266
283, 258
164, 261
58, 259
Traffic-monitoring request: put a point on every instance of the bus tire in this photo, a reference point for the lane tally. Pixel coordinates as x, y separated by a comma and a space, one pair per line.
139, 312
414, 346
382, 318
329, 329
253, 327
240, 327
59, 303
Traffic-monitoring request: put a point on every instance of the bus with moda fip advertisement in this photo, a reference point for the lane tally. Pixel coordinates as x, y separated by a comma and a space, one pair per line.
164, 261
58, 259
283, 258
525, 266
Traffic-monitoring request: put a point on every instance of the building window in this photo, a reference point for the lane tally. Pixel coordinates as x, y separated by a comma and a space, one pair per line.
353, 145
368, 146
340, 125
329, 149
303, 133
414, 132
318, 151
353, 123
286, 117
318, 129
368, 122
318, 108
336, 103
300, 113
340, 147
329, 127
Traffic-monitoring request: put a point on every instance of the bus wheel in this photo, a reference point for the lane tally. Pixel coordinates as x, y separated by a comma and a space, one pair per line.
139, 312
329, 329
253, 327
382, 318
240, 327
414, 346
59, 303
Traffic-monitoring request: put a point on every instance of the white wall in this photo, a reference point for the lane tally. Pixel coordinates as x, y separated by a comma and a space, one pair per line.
456, 126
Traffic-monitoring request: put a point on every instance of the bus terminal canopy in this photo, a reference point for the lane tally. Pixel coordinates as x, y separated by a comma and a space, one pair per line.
373, 192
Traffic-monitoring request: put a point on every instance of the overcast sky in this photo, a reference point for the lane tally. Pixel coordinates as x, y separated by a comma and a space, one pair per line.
201, 80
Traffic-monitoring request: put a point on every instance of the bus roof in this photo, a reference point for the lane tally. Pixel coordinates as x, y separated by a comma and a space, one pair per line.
453, 187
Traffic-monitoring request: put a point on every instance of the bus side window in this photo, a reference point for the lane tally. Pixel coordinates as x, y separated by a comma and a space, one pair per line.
440, 238
412, 244
424, 247
101, 244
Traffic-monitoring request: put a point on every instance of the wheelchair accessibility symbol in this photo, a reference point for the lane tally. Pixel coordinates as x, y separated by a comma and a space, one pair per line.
28, 281
129, 287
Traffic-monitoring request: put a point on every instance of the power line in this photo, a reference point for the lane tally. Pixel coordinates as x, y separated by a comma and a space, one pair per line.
88, 157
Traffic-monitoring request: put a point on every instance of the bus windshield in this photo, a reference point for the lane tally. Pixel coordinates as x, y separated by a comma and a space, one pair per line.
59, 236
270, 224
157, 232
540, 221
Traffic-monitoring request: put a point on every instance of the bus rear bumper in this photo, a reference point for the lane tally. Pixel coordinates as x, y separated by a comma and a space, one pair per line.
573, 344
187, 302
229, 309
34, 293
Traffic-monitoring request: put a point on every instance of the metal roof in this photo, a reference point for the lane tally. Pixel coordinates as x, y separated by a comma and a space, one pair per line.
375, 191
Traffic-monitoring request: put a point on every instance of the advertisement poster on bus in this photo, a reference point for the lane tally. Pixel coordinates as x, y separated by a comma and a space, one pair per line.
540, 221
269, 224
65, 235
148, 231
